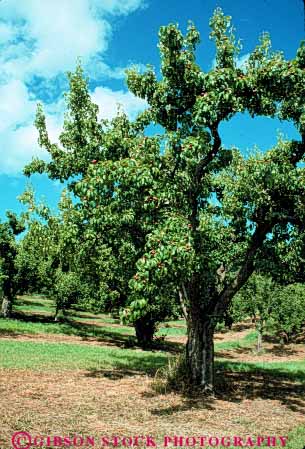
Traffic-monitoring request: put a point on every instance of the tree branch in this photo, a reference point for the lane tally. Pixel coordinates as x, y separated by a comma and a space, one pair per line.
247, 267
245, 271
202, 166
201, 170
298, 154
182, 303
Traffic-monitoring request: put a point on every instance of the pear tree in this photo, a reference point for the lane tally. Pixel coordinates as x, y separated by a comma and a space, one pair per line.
185, 216
210, 214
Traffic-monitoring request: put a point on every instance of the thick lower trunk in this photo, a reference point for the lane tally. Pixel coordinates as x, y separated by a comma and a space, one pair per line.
200, 354
7, 307
145, 329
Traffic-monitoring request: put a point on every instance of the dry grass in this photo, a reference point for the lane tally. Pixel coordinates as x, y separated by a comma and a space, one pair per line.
87, 403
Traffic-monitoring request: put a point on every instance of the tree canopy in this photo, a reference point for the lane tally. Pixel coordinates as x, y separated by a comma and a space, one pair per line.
182, 215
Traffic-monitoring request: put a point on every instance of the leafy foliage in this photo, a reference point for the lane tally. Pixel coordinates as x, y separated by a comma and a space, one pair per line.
8, 269
274, 308
288, 311
179, 214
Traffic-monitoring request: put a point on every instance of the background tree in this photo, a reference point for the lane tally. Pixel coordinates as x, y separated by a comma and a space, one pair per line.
288, 312
110, 239
274, 308
255, 299
8, 269
52, 256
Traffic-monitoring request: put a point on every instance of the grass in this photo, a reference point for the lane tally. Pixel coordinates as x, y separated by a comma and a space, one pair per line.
55, 356
46, 307
71, 328
41, 355
296, 438
294, 371
86, 316
171, 331
35, 316
77, 327
79, 356
107, 391
27, 305
248, 341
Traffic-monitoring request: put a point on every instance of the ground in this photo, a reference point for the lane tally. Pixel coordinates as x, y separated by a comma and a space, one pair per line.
88, 378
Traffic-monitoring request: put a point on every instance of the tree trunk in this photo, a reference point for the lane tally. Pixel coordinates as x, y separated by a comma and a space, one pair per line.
259, 328
145, 329
7, 307
59, 314
228, 320
200, 354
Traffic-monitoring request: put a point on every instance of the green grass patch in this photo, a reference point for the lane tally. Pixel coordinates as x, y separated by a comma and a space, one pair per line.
54, 356
171, 331
33, 308
79, 316
248, 341
294, 371
76, 326
15, 327
35, 316
296, 438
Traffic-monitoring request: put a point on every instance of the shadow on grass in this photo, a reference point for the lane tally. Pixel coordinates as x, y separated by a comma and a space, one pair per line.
189, 403
126, 365
38, 317
238, 327
267, 373
91, 316
87, 332
236, 382
119, 338
9, 334
225, 354
278, 339
278, 351
25, 303
72, 328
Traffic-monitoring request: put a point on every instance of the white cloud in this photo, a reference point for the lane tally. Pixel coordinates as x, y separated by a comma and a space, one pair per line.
54, 33
15, 105
6, 32
18, 136
20, 146
108, 102
241, 62
45, 38
118, 6
51, 35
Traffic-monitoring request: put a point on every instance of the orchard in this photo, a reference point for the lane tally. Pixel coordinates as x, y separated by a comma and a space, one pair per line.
174, 222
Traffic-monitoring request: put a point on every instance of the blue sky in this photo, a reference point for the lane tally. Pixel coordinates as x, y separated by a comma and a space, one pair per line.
41, 40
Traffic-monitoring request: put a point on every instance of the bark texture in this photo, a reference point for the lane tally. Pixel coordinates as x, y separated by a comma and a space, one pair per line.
7, 307
200, 351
